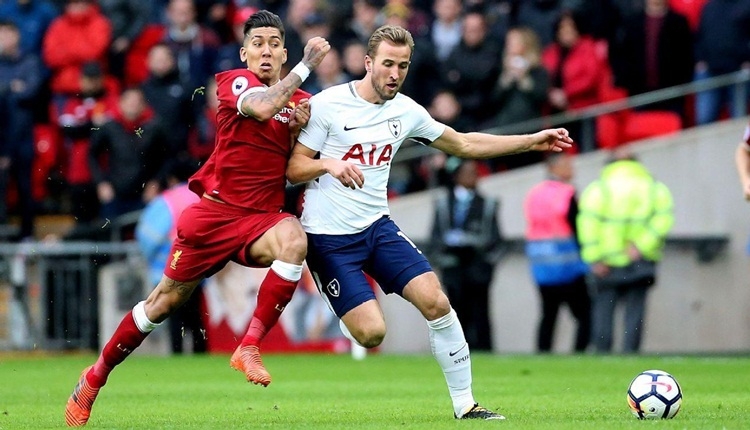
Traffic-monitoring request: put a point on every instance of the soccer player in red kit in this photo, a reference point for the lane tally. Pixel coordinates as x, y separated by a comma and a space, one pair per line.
239, 216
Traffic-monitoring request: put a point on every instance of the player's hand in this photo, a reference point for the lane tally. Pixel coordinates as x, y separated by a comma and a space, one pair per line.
554, 139
300, 116
347, 173
315, 50
600, 270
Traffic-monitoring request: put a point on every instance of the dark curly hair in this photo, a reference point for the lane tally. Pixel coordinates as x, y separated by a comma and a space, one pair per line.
264, 18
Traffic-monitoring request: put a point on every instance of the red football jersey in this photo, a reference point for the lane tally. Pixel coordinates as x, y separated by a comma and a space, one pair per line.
248, 165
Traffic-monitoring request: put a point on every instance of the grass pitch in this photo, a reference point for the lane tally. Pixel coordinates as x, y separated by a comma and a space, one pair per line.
380, 392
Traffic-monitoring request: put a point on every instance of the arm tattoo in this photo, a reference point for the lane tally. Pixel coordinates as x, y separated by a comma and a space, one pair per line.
277, 95
183, 289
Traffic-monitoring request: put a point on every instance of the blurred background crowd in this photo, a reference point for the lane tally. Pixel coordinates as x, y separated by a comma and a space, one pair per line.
100, 99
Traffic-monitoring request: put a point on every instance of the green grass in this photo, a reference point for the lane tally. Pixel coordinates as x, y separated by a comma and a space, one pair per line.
381, 392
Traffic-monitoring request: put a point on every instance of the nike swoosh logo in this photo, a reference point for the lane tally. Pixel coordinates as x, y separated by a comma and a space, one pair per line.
457, 351
347, 128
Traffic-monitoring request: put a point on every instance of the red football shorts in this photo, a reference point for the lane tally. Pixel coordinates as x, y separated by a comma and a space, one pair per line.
210, 234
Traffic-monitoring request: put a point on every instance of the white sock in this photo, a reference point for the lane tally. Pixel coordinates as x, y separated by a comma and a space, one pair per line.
452, 354
289, 271
141, 320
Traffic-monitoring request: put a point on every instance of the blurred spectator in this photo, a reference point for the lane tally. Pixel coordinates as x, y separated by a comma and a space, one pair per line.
721, 47
296, 13
76, 117
155, 232
128, 19
202, 139
170, 99
329, 72
417, 21
33, 18
353, 58
317, 24
21, 76
472, 68
126, 155
446, 29
466, 242
541, 16
654, 50
229, 53
80, 35
194, 45
521, 90
446, 108
365, 18
216, 15
576, 64
550, 209
624, 217
423, 79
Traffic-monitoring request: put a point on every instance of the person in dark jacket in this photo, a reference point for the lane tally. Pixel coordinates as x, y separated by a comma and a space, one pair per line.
467, 242
174, 103
131, 146
721, 47
472, 68
21, 76
654, 50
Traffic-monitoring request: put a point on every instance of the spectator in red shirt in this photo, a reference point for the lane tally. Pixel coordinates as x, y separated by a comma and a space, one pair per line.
576, 64
78, 36
76, 117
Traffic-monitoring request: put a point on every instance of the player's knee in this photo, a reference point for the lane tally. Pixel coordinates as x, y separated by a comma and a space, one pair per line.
436, 306
370, 336
294, 244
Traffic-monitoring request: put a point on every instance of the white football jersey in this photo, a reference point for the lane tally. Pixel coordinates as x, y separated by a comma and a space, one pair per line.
344, 126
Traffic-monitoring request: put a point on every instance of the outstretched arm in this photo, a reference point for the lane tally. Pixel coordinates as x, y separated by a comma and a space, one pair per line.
742, 159
484, 145
263, 105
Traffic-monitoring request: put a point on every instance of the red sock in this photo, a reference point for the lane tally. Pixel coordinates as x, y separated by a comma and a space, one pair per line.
126, 338
274, 294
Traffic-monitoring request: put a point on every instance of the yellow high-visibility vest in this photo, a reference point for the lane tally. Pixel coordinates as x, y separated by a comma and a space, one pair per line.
626, 205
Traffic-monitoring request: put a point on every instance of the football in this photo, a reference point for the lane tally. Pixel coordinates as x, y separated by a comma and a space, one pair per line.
654, 394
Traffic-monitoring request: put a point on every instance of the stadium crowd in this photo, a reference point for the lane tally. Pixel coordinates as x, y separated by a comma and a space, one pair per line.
97, 98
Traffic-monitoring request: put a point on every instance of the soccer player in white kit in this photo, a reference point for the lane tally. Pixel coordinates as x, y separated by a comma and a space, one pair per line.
345, 153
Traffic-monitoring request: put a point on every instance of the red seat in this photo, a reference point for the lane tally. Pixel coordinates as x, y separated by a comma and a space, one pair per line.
629, 125
641, 125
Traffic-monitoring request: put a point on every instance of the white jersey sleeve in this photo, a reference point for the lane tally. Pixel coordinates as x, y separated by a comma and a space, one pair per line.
428, 130
313, 135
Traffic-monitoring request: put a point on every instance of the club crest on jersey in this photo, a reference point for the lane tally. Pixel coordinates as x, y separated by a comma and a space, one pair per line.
394, 125
333, 288
239, 85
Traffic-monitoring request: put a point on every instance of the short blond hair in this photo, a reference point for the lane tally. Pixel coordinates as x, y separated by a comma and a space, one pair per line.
392, 34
